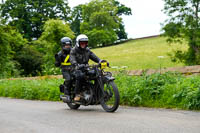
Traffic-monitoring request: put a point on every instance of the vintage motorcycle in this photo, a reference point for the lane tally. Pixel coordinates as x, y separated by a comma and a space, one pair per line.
97, 87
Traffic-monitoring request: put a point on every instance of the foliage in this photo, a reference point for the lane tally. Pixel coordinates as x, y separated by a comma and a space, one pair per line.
5, 50
41, 89
76, 19
184, 24
100, 37
30, 61
100, 19
49, 42
121, 33
54, 30
168, 90
11, 42
29, 16
122, 10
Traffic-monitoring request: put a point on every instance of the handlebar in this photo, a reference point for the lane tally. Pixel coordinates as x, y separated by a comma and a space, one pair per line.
102, 65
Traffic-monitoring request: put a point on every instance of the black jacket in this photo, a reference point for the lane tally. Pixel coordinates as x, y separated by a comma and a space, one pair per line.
60, 58
79, 56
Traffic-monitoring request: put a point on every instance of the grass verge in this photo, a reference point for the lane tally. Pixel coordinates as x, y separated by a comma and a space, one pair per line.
163, 91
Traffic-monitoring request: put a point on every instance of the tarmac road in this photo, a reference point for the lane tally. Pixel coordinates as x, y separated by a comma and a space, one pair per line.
25, 116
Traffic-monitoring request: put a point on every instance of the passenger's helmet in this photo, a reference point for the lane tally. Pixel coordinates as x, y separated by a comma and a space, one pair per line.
66, 41
81, 38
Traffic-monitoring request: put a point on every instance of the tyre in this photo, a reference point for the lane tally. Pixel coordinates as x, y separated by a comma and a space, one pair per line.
73, 106
110, 102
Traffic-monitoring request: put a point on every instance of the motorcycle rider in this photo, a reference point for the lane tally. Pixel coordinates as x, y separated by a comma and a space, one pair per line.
79, 57
62, 60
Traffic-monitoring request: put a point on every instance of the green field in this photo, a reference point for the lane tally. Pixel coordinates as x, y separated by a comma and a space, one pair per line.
140, 54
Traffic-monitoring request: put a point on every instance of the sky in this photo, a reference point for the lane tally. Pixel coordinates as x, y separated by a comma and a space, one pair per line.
145, 19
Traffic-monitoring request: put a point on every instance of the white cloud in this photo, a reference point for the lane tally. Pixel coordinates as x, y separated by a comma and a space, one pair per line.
73, 3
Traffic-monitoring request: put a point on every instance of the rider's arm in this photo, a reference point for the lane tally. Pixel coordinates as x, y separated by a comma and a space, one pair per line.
94, 58
73, 57
58, 59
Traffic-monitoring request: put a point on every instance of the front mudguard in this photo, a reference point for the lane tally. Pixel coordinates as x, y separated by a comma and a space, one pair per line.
108, 78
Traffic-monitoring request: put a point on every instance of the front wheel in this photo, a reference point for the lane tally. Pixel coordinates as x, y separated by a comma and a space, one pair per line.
110, 102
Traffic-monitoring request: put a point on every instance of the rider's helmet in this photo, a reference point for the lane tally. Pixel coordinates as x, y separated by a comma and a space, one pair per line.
66, 41
82, 41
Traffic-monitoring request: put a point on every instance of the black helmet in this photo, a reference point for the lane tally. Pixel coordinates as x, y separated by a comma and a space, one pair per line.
66, 41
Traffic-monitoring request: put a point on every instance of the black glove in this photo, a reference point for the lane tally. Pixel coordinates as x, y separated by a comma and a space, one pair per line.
103, 61
57, 60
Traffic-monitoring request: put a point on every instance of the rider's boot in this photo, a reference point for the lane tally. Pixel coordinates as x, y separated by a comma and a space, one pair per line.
77, 97
67, 91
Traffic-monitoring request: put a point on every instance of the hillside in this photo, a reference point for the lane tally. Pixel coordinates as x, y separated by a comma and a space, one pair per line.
140, 54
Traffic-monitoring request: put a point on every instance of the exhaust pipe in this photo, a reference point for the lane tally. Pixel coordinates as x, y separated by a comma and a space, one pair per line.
65, 99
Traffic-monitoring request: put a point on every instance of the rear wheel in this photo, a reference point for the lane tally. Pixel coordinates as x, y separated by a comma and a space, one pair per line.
110, 102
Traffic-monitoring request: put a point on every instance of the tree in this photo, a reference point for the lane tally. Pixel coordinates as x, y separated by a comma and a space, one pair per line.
29, 16
121, 33
101, 37
122, 10
5, 51
49, 42
100, 21
76, 19
10, 43
54, 30
184, 24
30, 61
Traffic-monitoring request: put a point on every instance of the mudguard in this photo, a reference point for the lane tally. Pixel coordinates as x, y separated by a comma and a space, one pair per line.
107, 78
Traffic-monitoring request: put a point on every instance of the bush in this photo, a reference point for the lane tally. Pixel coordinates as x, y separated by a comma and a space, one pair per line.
30, 61
10, 42
41, 89
166, 91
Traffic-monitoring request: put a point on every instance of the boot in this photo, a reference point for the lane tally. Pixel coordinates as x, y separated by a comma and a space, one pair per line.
77, 97
67, 88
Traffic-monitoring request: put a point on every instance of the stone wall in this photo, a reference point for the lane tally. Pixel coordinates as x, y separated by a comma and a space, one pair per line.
187, 70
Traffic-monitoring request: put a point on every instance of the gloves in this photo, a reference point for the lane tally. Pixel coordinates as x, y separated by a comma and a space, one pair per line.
57, 60
101, 61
